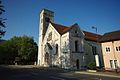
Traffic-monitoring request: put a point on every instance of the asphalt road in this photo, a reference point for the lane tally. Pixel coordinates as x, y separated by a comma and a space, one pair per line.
15, 73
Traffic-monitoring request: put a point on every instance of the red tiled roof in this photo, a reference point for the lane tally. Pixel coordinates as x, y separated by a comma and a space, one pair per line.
88, 35
60, 28
92, 36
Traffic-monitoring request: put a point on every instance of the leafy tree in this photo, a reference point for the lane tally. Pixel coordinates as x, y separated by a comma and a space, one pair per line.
5, 51
27, 48
2, 25
22, 47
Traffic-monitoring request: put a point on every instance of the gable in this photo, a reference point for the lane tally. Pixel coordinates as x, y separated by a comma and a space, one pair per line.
76, 31
60, 28
51, 33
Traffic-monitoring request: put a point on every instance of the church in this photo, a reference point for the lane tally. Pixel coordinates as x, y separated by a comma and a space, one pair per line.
66, 47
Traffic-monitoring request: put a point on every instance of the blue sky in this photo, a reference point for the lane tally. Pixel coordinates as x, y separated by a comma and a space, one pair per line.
23, 15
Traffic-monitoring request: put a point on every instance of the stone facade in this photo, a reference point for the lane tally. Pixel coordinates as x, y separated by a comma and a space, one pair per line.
93, 53
60, 45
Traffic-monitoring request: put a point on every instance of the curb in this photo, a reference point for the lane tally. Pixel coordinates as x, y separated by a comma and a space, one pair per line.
92, 71
98, 74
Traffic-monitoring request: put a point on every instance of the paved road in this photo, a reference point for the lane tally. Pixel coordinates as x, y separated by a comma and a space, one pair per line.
17, 73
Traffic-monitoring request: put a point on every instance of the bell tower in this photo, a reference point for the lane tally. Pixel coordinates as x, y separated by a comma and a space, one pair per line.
46, 16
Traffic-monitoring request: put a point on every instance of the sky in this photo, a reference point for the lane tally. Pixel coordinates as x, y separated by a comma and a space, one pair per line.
23, 15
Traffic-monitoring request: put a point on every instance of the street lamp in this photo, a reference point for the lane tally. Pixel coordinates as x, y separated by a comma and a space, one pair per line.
93, 27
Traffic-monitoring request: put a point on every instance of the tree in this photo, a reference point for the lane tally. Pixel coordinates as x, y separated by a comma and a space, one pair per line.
27, 49
5, 52
2, 23
23, 48
91, 65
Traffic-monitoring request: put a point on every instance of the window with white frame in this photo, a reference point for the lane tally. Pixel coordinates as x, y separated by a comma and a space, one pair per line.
117, 48
107, 49
113, 64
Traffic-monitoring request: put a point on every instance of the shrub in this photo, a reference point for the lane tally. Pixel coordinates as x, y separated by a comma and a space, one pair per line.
91, 65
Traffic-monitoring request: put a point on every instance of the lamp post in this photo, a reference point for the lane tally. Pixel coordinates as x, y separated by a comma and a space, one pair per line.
93, 27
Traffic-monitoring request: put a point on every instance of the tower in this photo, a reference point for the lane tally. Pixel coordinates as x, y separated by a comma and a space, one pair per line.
46, 16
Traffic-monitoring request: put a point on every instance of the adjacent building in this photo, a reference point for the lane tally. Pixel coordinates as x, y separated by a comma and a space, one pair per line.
92, 49
110, 43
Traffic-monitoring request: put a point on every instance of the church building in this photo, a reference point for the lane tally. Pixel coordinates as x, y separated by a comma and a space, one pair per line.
66, 47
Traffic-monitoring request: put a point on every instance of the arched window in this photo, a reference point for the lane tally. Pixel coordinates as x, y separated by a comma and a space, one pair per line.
46, 57
76, 46
56, 49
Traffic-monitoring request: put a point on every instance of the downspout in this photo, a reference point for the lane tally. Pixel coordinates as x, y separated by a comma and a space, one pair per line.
114, 54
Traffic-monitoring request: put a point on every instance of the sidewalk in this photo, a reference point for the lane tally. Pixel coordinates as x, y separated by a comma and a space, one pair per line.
107, 74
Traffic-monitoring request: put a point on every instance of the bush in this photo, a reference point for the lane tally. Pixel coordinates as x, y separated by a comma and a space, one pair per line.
91, 65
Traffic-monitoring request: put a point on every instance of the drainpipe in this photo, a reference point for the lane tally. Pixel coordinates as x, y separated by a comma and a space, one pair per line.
114, 54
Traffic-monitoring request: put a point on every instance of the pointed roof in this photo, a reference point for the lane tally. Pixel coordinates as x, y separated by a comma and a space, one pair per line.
88, 35
60, 28
110, 36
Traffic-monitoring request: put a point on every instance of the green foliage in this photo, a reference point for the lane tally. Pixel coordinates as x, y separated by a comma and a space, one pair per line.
2, 25
23, 47
91, 65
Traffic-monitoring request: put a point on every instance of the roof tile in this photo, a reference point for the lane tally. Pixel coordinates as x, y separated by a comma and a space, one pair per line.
110, 36
60, 28
92, 36
88, 35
